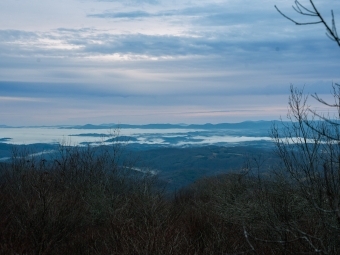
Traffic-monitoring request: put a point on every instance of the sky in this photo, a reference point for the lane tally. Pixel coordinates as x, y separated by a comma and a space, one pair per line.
158, 61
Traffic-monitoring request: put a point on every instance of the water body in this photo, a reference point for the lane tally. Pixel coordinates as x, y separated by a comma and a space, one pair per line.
157, 149
170, 136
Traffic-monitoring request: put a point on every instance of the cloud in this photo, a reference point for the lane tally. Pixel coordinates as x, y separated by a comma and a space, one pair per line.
89, 42
19, 99
69, 54
15, 35
52, 90
119, 15
129, 2
176, 56
137, 14
206, 10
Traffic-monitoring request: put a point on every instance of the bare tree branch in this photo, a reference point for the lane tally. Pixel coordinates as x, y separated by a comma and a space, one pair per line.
313, 12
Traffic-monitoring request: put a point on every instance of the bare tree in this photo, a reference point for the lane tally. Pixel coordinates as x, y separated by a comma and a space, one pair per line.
309, 146
313, 12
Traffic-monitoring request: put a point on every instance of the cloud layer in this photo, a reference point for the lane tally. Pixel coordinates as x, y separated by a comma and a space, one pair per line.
156, 61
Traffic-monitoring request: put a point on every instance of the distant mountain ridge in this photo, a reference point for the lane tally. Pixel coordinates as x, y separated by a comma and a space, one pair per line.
241, 125
261, 124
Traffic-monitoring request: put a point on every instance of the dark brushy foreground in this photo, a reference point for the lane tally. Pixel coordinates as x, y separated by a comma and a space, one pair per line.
87, 202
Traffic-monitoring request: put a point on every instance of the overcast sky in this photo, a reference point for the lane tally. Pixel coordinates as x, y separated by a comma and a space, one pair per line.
157, 61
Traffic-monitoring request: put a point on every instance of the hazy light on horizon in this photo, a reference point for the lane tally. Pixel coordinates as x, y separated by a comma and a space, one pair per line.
142, 61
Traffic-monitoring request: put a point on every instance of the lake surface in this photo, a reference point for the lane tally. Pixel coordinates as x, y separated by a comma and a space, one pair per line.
172, 137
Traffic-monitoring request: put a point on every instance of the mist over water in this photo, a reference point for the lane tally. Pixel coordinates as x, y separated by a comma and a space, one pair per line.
169, 136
